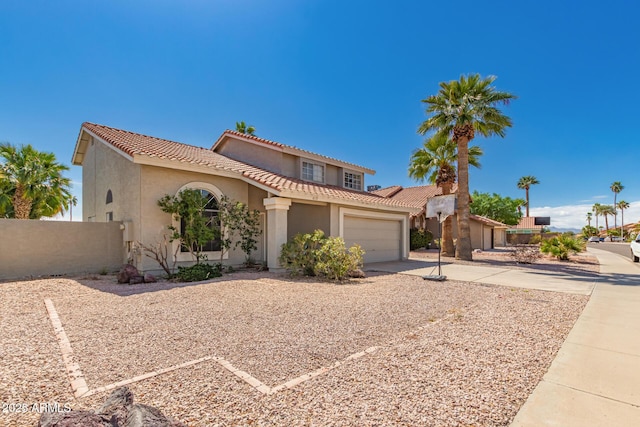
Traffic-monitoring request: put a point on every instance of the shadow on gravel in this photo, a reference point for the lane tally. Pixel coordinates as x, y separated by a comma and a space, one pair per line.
109, 283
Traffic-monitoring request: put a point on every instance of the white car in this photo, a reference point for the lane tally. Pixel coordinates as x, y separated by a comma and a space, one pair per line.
635, 249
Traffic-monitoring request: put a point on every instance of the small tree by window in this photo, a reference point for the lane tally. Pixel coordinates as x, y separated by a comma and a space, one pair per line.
198, 214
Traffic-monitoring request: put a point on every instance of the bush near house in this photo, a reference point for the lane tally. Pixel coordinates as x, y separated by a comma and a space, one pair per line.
314, 254
561, 246
199, 272
419, 238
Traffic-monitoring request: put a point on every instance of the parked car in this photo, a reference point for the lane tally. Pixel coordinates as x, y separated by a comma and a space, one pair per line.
595, 239
635, 249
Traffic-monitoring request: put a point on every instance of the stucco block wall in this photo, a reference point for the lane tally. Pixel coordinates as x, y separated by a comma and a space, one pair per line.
115, 173
44, 248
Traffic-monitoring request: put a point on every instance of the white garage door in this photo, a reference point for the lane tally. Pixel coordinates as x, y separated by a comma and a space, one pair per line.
380, 238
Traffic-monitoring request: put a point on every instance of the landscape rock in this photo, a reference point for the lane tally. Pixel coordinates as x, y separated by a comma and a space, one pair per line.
134, 280
150, 278
117, 411
73, 419
357, 274
126, 273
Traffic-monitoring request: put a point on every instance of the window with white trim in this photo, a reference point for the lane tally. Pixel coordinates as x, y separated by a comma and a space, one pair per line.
353, 180
312, 172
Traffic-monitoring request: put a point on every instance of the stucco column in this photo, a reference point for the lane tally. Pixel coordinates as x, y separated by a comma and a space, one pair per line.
277, 208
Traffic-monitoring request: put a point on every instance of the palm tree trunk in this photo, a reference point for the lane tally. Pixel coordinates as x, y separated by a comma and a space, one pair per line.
606, 221
463, 244
447, 229
21, 204
527, 194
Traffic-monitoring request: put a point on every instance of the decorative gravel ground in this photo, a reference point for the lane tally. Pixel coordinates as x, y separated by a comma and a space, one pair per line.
448, 354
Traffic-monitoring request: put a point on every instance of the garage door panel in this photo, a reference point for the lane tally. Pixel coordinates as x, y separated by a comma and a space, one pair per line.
381, 239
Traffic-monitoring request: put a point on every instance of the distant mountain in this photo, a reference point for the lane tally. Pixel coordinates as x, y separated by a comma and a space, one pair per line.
564, 230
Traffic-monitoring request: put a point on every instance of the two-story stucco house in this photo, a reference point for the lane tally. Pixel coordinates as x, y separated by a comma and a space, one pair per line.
125, 174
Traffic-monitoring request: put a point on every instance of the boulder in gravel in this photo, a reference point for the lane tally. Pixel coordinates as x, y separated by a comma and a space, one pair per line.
117, 411
134, 280
357, 274
126, 273
150, 278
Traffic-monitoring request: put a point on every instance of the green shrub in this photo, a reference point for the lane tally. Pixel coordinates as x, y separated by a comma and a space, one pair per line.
535, 239
419, 238
335, 262
561, 246
199, 272
315, 254
298, 255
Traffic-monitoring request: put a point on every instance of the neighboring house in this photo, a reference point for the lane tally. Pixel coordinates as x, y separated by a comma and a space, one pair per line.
485, 233
124, 175
524, 230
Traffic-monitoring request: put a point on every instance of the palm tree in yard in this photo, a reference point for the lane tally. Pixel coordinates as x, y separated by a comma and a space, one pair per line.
435, 162
32, 185
597, 211
616, 187
459, 110
243, 128
605, 211
589, 215
525, 183
622, 205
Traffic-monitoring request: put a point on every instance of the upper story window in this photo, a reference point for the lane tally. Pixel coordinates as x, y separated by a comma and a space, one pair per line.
313, 172
109, 197
353, 180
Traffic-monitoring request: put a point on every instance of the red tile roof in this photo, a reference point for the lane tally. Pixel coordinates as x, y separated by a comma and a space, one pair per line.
138, 146
419, 195
527, 223
412, 196
488, 221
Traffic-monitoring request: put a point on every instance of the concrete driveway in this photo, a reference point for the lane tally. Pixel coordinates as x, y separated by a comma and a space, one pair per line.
516, 278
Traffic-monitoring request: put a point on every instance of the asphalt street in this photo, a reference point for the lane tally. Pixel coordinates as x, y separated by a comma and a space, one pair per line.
620, 248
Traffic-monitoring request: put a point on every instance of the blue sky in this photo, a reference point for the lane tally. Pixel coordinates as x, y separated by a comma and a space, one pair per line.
341, 78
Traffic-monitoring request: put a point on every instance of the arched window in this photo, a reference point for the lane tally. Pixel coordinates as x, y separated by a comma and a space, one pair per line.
211, 212
109, 196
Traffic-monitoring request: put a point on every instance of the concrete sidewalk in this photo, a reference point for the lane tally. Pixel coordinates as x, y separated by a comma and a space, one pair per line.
595, 378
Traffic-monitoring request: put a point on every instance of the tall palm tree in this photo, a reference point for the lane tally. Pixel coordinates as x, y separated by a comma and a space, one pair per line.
616, 187
435, 162
596, 208
622, 205
243, 128
589, 218
460, 109
525, 183
33, 185
605, 211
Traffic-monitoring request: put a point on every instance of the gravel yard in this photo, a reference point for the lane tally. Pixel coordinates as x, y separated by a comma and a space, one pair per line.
448, 354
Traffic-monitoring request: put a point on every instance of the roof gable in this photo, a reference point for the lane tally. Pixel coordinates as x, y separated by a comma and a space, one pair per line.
228, 135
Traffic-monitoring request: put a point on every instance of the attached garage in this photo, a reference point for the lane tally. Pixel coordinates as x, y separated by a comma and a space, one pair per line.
381, 236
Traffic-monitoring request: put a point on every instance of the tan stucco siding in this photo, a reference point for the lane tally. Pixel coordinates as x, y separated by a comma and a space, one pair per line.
333, 175
157, 182
102, 170
253, 154
291, 166
304, 218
